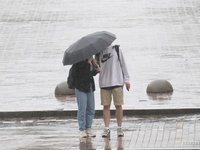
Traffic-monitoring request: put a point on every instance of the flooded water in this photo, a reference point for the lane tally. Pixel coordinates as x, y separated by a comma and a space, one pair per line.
159, 39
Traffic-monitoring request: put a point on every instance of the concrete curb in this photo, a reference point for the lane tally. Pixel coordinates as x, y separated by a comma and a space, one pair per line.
73, 113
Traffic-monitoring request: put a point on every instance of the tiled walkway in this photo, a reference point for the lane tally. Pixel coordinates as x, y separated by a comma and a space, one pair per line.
160, 39
141, 132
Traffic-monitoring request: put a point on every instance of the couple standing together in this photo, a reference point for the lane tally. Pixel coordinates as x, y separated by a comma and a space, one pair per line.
113, 75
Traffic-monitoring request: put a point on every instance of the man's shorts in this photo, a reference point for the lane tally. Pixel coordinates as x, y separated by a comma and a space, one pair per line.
108, 93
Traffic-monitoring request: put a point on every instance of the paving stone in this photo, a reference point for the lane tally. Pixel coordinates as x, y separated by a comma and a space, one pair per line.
160, 40
166, 46
55, 133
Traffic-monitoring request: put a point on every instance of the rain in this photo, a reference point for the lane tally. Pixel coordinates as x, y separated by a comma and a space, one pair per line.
159, 39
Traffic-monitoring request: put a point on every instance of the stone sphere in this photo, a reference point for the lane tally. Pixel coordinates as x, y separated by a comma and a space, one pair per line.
159, 86
63, 89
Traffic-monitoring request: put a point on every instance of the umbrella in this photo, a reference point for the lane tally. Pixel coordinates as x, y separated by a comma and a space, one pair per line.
87, 46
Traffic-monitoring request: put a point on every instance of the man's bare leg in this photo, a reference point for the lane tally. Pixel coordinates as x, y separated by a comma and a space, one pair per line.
119, 114
106, 115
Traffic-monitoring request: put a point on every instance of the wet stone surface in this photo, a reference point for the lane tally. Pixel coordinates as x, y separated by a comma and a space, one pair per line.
159, 39
156, 132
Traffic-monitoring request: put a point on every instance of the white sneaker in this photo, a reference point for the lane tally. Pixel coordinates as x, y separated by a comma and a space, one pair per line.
106, 133
90, 133
82, 134
120, 132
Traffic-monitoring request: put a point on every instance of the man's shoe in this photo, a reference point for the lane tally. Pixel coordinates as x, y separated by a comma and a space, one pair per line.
90, 133
106, 133
120, 132
82, 134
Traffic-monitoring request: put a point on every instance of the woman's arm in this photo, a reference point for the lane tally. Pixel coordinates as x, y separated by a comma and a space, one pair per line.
96, 69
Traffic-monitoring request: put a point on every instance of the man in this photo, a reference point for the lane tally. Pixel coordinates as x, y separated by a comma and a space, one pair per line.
113, 76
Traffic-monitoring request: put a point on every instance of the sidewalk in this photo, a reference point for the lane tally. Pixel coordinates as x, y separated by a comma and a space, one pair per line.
160, 40
141, 132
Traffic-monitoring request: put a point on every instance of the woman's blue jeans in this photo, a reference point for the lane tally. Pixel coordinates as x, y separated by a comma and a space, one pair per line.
86, 109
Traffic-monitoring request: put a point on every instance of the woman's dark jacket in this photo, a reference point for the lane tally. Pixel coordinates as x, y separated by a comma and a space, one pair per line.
84, 77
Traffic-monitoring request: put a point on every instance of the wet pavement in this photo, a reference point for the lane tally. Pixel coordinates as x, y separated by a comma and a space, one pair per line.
159, 39
141, 132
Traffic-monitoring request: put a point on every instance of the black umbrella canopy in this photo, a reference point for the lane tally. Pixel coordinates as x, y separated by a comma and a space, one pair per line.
87, 46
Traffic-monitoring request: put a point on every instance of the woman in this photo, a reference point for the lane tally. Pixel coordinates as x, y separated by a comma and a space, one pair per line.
84, 90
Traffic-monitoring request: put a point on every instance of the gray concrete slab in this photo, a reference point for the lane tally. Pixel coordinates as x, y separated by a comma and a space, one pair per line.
98, 113
141, 132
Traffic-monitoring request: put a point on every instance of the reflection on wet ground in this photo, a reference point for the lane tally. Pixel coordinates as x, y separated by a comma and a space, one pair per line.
86, 143
160, 96
140, 132
66, 98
